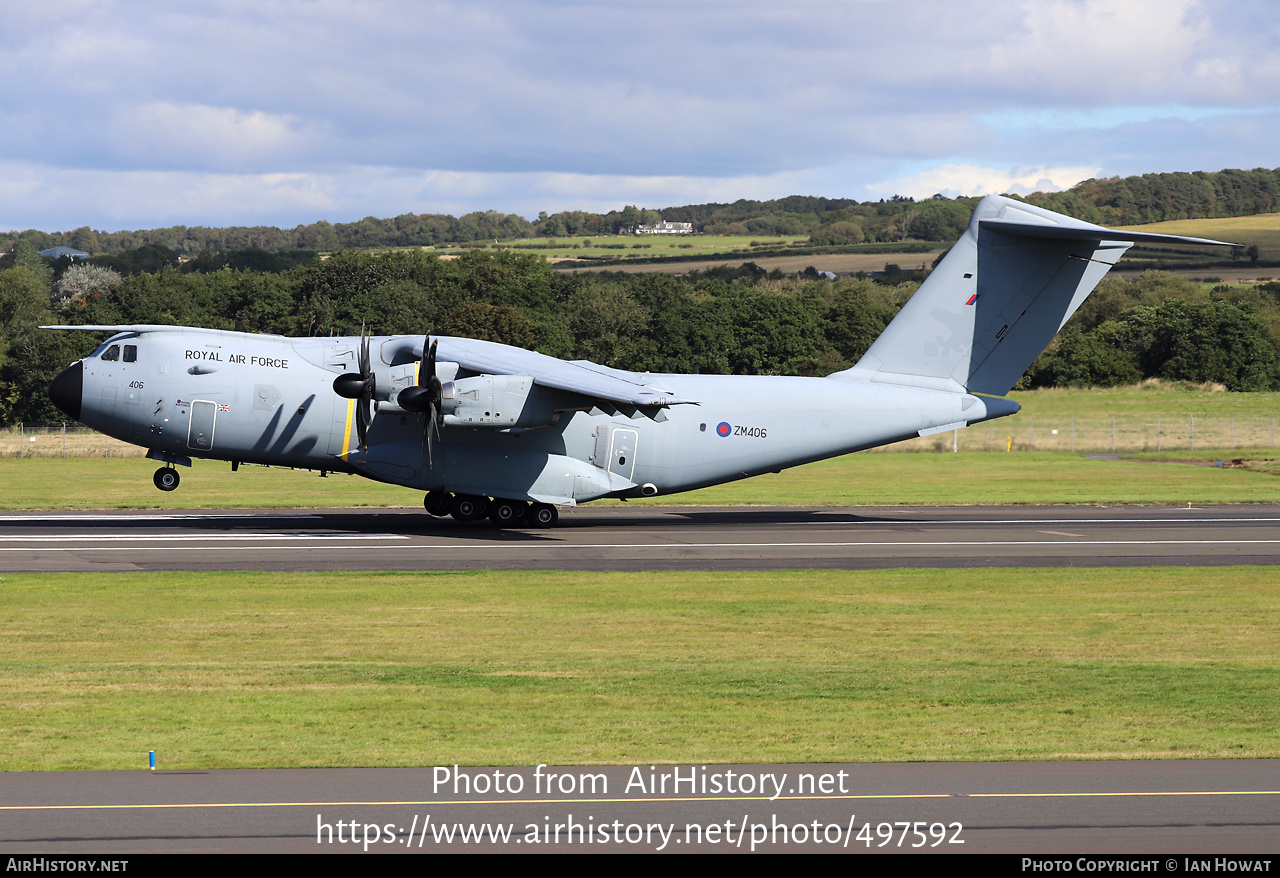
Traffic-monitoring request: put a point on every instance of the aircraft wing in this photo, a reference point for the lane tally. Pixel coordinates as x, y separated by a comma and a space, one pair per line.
588, 379
614, 386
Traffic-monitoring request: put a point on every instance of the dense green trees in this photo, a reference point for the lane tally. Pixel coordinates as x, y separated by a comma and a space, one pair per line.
741, 320
1159, 326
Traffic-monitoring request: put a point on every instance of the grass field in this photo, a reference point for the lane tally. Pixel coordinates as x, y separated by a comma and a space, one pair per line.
699, 252
1152, 416
278, 670
1149, 419
622, 247
838, 263
1262, 229
256, 670
968, 478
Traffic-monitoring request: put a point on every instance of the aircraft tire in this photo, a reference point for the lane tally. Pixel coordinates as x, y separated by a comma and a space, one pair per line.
166, 478
468, 507
507, 513
437, 503
543, 515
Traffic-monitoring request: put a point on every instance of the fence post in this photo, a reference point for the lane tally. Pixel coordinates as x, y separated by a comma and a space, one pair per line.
1157, 433
1113, 434
1233, 432
64, 439
1031, 441
1193, 432
1073, 434
22, 437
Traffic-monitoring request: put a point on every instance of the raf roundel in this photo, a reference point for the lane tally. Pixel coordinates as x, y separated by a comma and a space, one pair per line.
724, 429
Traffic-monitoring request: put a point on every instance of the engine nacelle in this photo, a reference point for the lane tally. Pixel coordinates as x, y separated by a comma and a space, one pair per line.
499, 401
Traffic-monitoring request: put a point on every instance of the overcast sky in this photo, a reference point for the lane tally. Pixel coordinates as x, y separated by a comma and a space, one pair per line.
124, 115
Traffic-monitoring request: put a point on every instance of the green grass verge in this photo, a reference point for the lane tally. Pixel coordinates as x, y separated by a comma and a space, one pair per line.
979, 478
255, 670
968, 478
1146, 400
1148, 416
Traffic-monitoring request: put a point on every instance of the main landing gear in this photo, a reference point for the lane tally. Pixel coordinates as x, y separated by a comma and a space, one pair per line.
502, 513
166, 478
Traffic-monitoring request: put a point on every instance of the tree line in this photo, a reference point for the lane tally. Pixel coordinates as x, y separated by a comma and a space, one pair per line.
724, 321
1114, 201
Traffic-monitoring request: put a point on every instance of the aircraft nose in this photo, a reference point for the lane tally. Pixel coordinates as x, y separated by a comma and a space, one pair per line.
67, 389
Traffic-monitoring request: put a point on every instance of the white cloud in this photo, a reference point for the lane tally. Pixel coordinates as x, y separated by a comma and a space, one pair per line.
953, 180
168, 134
540, 104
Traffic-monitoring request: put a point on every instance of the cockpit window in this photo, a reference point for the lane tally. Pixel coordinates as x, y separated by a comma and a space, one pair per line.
131, 353
112, 353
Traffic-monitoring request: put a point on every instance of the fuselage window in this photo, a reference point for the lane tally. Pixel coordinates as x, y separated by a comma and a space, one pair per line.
131, 353
112, 353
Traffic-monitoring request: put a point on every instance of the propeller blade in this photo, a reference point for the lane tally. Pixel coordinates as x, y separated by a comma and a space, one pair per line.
362, 424
360, 386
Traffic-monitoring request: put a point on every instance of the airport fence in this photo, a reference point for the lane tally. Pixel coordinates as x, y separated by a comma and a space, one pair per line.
62, 440
1102, 435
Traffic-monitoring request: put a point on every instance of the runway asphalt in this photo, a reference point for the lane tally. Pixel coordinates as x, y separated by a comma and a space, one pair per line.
1167, 807
1041, 808
645, 538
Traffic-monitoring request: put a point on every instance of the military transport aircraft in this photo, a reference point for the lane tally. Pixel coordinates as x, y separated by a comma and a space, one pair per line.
492, 430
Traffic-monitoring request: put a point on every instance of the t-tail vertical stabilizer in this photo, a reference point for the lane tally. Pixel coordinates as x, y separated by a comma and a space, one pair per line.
997, 299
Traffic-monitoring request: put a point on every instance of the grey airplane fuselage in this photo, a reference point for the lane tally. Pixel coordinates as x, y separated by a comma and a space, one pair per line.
261, 399
520, 426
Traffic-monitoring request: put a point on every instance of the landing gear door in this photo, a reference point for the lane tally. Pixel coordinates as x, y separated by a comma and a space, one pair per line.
200, 434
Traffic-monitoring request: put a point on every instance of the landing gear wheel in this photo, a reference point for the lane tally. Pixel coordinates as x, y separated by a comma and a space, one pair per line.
507, 513
437, 503
543, 515
166, 478
468, 507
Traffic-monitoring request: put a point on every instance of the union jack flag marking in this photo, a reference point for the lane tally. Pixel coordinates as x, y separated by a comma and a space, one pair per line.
223, 408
